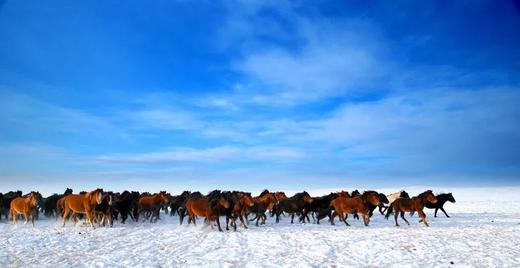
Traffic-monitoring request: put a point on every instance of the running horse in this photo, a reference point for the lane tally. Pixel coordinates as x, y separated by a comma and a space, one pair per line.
25, 206
152, 204
82, 204
204, 207
262, 203
353, 205
416, 203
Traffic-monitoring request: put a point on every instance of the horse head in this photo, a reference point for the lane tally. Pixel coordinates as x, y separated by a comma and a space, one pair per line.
451, 198
383, 198
95, 196
247, 200
355, 193
307, 198
33, 198
404, 194
223, 202
371, 197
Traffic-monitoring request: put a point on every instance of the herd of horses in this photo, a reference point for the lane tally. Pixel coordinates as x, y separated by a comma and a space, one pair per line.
102, 208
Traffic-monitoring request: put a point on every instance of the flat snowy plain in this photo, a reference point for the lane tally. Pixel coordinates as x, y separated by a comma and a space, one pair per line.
483, 231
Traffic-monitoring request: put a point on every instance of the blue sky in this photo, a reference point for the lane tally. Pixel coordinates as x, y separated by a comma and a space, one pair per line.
259, 94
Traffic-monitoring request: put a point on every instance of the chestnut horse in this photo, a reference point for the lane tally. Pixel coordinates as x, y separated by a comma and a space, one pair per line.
204, 207
152, 204
416, 203
353, 205
25, 206
82, 204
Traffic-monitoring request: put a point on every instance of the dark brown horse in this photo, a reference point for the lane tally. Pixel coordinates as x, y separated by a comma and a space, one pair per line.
353, 205
441, 200
293, 205
204, 207
241, 203
262, 203
25, 206
82, 204
416, 203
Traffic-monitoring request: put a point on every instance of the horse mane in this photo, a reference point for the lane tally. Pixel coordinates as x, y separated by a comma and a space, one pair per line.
426, 192
264, 192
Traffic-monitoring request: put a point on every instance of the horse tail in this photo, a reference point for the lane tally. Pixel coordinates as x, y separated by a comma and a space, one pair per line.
389, 211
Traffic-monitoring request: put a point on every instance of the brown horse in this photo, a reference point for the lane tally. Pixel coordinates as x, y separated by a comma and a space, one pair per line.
82, 204
353, 205
152, 204
25, 206
416, 203
241, 203
262, 203
210, 209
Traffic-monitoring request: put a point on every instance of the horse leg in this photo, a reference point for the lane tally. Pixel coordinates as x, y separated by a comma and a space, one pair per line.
26, 217
444, 212
218, 223
227, 224
90, 218
402, 216
257, 219
423, 217
65, 215
331, 217
32, 219
292, 217
345, 219
366, 219
242, 220
396, 214
435, 215
13, 216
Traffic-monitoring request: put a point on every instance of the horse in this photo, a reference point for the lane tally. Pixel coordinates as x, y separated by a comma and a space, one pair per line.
6, 202
177, 202
125, 205
241, 203
293, 205
204, 207
49, 205
353, 205
261, 204
182, 211
441, 200
152, 204
416, 203
104, 211
25, 206
319, 206
82, 204
392, 197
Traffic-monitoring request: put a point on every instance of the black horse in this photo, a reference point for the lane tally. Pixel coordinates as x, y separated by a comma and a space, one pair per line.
319, 207
49, 207
293, 205
6, 202
125, 205
441, 200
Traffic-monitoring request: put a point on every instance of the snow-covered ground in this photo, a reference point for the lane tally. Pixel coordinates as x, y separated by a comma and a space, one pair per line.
483, 231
